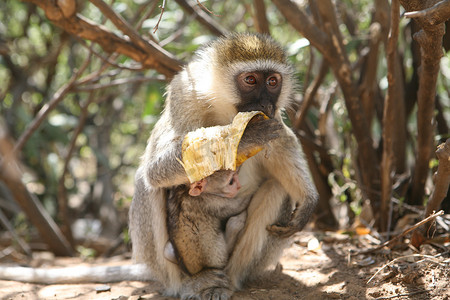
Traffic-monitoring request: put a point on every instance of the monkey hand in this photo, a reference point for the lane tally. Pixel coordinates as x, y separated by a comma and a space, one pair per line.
282, 231
259, 132
299, 218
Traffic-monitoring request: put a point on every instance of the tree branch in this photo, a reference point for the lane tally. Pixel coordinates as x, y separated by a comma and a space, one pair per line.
148, 53
430, 40
121, 24
311, 92
389, 117
441, 178
260, 17
441, 185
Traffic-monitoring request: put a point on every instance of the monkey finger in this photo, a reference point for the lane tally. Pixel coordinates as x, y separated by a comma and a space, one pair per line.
282, 231
191, 297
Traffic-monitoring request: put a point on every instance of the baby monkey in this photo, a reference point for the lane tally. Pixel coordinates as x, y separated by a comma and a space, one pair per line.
204, 220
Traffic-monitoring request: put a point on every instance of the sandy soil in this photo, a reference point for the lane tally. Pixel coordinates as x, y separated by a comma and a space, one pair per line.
317, 266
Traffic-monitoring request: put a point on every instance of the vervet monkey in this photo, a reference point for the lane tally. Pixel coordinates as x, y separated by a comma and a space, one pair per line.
237, 73
197, 218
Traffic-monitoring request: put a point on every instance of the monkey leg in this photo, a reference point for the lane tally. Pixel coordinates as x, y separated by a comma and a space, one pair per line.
234, 226
208, 284
297, 221
290, 171
256, 249
148, 231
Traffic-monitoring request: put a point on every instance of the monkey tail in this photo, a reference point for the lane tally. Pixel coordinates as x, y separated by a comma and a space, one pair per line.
84, 274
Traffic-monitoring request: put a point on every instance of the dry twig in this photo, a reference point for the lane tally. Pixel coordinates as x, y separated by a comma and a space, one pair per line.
205, 8
405, 232
426, 258
162, 7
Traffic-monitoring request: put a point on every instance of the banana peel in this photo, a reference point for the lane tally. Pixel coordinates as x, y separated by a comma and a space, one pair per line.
207, 150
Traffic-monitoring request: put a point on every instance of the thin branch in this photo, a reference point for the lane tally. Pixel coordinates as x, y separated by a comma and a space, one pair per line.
22, 244
202, 17
146, 15
206, 9
310, 95
308, 74
162, 7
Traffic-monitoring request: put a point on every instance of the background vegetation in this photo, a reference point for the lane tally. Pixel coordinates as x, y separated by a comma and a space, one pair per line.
82, 83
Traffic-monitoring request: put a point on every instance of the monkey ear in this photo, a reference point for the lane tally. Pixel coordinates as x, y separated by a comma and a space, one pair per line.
197, 187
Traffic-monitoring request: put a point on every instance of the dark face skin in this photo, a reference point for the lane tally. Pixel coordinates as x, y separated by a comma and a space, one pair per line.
259, 90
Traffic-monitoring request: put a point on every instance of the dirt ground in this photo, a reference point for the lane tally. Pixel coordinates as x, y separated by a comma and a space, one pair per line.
316, 266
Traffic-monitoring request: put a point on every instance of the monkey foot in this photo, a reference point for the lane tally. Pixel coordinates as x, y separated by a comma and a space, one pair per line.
217, 293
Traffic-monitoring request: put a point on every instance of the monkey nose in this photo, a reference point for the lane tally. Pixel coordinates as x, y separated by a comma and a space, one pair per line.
268, 110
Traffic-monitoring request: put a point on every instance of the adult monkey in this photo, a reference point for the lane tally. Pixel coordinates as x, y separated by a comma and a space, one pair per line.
240, 72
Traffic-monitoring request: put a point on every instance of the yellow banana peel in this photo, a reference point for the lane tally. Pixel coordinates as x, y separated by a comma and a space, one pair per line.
207, 150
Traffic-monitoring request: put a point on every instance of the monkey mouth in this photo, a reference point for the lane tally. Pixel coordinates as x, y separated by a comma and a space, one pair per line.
268, 110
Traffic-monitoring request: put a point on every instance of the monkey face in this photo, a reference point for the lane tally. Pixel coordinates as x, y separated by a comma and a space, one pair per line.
259, 90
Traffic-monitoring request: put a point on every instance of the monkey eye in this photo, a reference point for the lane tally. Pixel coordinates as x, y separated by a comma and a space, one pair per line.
250, 79
272, 81
231, 181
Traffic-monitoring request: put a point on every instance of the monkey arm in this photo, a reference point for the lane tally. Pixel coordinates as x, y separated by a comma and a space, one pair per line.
165, 171
287, 166
161, 158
